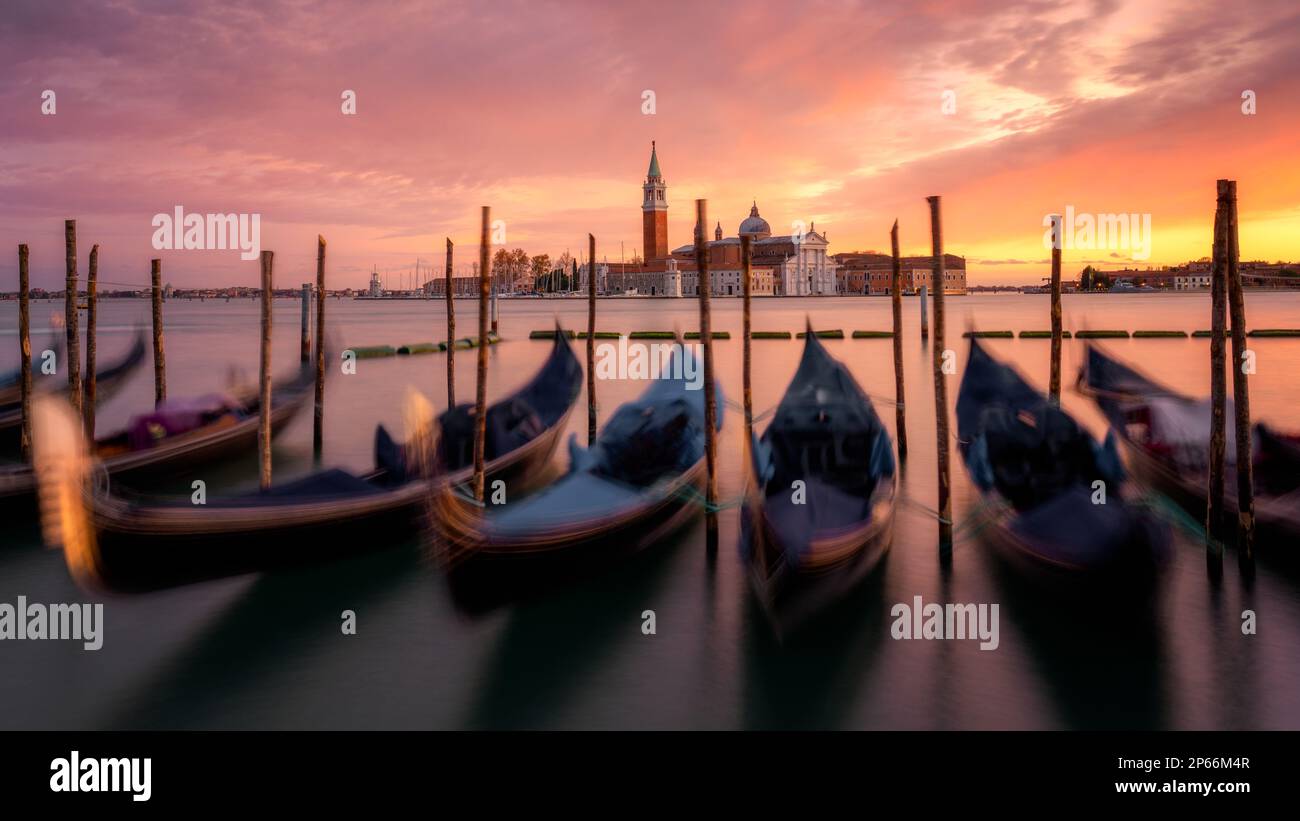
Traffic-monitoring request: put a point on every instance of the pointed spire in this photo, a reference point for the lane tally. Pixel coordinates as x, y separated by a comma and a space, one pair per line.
717, 232
654, 162
753, 212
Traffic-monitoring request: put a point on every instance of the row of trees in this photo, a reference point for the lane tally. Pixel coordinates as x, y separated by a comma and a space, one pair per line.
515, 271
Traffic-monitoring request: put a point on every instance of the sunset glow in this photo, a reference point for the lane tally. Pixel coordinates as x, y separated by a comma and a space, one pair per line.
823, 112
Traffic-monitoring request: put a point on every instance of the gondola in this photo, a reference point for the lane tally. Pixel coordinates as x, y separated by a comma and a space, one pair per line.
175, 438
1052, 500
821, 492
636, 485
108, 381
133, 544
1166, 435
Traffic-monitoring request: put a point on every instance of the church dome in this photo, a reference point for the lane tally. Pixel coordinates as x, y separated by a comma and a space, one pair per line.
754, 225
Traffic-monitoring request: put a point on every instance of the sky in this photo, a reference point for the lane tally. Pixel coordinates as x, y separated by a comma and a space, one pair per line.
842, 114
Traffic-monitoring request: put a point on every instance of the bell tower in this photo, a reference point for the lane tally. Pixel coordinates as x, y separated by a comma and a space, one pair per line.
654, 211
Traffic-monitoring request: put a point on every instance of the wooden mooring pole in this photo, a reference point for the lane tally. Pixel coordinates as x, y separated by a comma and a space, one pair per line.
1218, 389
70, 314
451, 335
896, 300
159, 356
710, 410
940, 380
591, 340
92, 309
746, 262
1054, 382
304, 344
318, 423
264, 374
480, 401
25, 350
1240, 390
925, 314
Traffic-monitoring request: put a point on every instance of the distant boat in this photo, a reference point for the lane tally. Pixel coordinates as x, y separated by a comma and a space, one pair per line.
1124, 286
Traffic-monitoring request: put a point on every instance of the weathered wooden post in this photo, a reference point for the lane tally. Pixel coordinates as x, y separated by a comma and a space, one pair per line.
1218, 389
896, 298
591, 339
451, 335
25, 350
746, 268
70, 315
1240, 390
318, 423
92, 308
1054, 382
494, 308
925, 314
940, 380
264, 376
710, 410
159, 357
304, 347
480, 401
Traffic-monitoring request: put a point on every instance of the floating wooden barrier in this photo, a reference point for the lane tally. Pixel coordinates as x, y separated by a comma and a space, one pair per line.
1042, 335
1206, 334
1274, 332
421, 347
652, 335
1101, 335
712, 335
873, 334
1160, 334
599, 335
989, 335
831, 334
770, 335
548, 335
373, 351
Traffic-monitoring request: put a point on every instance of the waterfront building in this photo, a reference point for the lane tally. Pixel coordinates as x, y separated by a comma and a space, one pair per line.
871, 272
788, 265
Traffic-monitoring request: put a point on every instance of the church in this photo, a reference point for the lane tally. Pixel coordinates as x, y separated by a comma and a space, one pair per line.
786, 265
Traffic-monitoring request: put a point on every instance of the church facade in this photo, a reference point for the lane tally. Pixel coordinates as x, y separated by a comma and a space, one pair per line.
794, 264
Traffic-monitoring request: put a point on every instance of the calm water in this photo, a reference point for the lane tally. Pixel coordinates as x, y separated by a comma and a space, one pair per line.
267, 651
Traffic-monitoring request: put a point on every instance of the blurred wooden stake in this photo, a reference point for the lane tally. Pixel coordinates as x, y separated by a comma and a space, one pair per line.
70, 314
1054, 384
940, 379
318, 424
304, 345
92, 308
264, 375
591, 340
925, 313
747, 266
451, 335
159, 357
1218, 388
896, 298
480, 401
710, 411
1240, 391
25, 350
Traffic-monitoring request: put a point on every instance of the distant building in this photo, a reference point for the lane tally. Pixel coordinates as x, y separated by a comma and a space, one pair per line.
791, 265
871, 272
